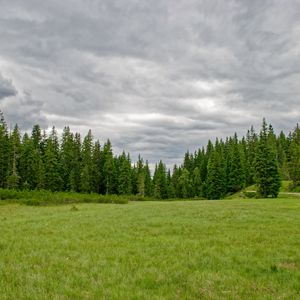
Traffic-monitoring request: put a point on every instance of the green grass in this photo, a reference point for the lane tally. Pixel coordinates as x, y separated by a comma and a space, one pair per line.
229, 249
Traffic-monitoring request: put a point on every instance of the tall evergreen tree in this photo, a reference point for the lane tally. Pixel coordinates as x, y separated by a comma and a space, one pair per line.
294, 156
215, 185
235, 176
267, 174
4, 152
160, 181
86, 179
53, 167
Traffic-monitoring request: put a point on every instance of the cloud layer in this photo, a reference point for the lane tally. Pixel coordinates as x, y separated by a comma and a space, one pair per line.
157, 77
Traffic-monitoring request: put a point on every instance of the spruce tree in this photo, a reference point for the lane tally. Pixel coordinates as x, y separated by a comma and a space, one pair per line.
294, 157
86, 179
160, 181
4, 152
235, 176
53, 167
215, 183
267, 174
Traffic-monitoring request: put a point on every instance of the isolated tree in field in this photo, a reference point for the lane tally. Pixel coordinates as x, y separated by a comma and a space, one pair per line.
267, 174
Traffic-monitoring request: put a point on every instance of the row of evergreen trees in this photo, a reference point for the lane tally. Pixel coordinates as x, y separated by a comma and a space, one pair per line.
41, 161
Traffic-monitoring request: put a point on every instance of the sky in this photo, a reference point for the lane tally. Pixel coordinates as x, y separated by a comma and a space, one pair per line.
155, 77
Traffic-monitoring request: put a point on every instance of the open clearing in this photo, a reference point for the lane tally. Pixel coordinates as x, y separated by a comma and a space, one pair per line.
229, 249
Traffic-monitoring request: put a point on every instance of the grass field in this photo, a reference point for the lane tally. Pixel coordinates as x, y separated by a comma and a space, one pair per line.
229, 249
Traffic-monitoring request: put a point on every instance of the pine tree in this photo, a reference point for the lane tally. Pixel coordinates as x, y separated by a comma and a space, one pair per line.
53, 167
96, 167
87, 164
185, 183
14, 164
148, 181
170, 186
67, 157
109, 178
75, 174
267, 174
197, 183
4, 152
235, 176
124, 175
294, 157
215, 183
251, 144
160, 181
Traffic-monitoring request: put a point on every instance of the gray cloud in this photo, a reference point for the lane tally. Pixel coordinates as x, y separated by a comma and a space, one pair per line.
154, 77
6, 88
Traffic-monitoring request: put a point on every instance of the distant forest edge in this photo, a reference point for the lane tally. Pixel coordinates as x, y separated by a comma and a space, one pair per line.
72, 164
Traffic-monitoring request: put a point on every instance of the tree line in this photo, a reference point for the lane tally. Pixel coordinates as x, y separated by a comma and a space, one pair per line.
72, 163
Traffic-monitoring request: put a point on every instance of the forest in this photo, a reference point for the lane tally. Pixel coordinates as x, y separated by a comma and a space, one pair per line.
45, 161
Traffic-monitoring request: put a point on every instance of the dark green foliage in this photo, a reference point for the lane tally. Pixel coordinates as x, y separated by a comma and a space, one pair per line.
43, 197
267, 174
235, 169
40, 162
87, 164
215, 176
125, 176
160, 181
294, 157
185, 184
53, 167
4, 152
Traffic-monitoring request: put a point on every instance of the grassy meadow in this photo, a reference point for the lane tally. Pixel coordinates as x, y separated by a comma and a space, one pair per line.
225, 249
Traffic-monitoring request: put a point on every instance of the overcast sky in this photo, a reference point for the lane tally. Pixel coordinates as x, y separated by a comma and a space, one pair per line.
156, 77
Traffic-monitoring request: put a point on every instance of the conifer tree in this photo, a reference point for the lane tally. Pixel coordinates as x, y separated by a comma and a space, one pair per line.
235, 176
215, 184
75, 174
124, 175
108, 169
4, 152
67, 157
86, 179
170, 186
267, 174
148, 181
96, 167
15, 152
53, 167
197, 183
294, 154
160, 181
185, 183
